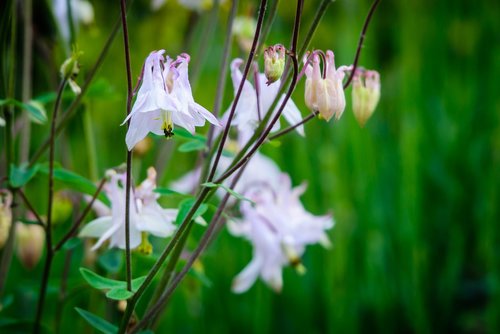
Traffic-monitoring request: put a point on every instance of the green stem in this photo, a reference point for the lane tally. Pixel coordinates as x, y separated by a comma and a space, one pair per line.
26, 83
88, 132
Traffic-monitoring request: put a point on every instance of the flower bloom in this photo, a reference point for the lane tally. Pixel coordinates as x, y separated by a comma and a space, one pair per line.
146, 215
250, 109
365, 94
279, 229
164, 99
325, 93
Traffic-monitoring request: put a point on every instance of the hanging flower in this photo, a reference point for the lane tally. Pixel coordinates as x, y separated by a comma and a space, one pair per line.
146, 215
324, 92
279, 229
30, 240
250, 109
5, 215
164, 99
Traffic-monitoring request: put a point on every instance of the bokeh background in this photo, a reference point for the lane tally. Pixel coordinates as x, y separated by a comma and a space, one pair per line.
415, 193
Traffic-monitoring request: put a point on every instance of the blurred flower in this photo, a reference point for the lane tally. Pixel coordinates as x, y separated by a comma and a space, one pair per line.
274, 62
164, 99
29, 246
279, 229
365, 94
70, 69
244, 28
81, 12
146, 215
325, 93
197, 5
143, 147
246, 116
5, 215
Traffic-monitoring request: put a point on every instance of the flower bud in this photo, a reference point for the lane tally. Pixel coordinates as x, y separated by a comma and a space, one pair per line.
324, 93
30, 241
244, 29
62, 208
70, 69
5, 215
365, 95
274, 63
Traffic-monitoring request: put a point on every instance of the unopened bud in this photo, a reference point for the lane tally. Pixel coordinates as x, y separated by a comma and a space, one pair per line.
30, 241
244, 28
62, 208
70, 69
5, 215
274, 62
365, 95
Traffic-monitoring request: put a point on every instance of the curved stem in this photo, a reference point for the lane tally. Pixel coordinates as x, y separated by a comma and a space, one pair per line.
361, 40
260, 19
48, 229
123, 12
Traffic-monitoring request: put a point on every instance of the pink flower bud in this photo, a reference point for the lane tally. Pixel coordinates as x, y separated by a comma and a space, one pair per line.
30, 241
5, 215
274, 63
365, 95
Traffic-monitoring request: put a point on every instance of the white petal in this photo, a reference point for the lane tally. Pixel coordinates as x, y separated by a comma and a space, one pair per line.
247, 277
96, 228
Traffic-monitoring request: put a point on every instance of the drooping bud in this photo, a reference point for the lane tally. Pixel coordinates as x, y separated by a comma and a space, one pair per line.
62, 208
324, 92
274, 63
5, 215
30, 241
244, 29
70, 69
365, 95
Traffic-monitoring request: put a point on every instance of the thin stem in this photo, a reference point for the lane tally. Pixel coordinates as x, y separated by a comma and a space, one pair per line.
48, 229
30, 207
221, 83
361, 40
130, 88
26, 83
80, 219
154, 311
260, 19
314, 25
70, 111
88, 132
293, 127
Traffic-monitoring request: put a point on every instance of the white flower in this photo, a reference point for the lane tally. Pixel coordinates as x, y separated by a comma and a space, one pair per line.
146, 215
279, 228
164, 99
246, 116
81, 11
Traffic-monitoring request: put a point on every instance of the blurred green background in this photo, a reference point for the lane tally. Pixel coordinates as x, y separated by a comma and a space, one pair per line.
415, 193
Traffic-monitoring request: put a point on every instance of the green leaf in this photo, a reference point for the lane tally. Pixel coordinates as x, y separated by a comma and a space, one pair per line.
184, 208
21, 175
192, 145
97, 322
186, 134
167, 191
35, 111
72, 243
229, 190
103, 283
75, 182
119, 294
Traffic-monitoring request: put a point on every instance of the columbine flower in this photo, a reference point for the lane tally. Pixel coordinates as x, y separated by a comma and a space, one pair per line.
279, 229
30, 240
164, 99
248, 111
365, 94
274, 62
5, 215
146, 215
325, 93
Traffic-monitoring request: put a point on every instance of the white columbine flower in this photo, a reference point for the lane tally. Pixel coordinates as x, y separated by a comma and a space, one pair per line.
246, 116
81, 11
279, 229
164, 99
146, 215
